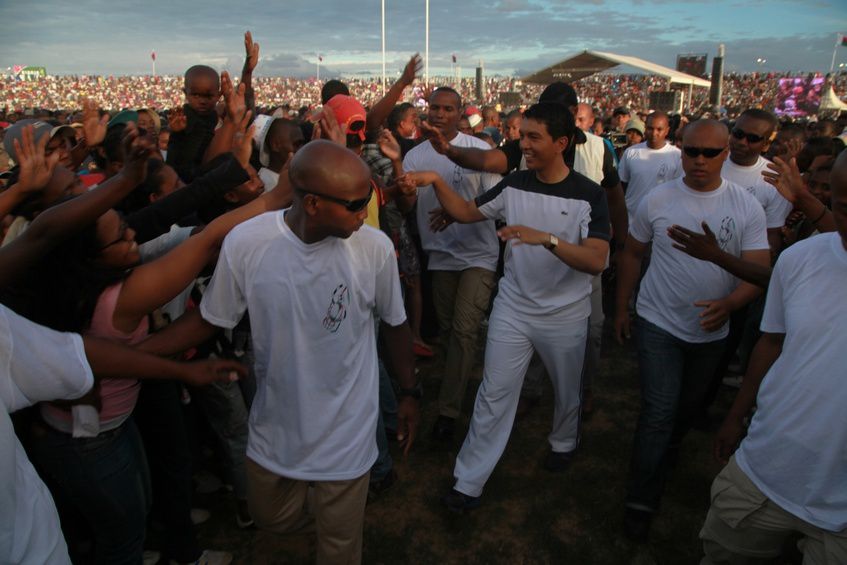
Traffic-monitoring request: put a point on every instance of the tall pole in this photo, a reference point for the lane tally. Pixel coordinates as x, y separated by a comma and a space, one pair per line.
319, 68
426, 47
383, 47
834, 51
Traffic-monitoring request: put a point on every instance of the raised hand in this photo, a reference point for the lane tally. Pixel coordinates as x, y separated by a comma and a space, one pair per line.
251, 53
233, 98
786, 178
137, 150
242, 143
388, 145
436, 138
93, 125
177, 121
326, 127
703, 246
412, 69
35, 169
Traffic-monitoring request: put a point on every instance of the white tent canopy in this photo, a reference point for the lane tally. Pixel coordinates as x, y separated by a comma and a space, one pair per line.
589, 62
829, 101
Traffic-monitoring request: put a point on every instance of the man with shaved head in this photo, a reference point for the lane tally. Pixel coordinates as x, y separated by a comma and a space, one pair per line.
646, 165
683, 305
313, 277
789, 474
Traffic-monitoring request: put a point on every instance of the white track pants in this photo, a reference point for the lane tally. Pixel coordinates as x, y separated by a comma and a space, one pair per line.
511, 339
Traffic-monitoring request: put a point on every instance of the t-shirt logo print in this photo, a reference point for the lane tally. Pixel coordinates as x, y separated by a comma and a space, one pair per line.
725, 234
337, 310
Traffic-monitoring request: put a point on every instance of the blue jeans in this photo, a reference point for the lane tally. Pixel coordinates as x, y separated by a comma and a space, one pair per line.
387, 409
675, 377
106, 479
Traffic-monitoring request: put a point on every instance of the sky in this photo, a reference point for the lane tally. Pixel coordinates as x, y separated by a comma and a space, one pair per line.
510, 37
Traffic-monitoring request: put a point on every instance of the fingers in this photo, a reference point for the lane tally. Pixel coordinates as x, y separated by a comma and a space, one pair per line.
707, 230
703, 303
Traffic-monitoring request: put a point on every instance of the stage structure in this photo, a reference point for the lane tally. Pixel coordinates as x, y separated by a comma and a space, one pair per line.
588, 63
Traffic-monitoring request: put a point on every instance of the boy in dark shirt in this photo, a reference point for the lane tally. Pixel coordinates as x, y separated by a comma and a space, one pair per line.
193, 126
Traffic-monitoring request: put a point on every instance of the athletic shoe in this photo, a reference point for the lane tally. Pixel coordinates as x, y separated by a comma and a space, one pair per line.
558, 462
460, 503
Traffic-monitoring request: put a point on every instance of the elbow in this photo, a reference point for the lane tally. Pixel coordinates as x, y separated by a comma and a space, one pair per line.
596, 268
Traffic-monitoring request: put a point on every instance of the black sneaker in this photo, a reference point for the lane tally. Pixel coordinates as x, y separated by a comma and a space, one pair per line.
458, 502
636, 524
443, 429
557, 462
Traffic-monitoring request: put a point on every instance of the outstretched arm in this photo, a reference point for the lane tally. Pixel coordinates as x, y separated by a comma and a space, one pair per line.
788, 181
59, 222
589, 256
488, 160
380, 111
464, 211
187, 331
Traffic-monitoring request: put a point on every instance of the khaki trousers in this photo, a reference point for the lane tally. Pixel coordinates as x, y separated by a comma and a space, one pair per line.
460, 299
279, 504
744, 527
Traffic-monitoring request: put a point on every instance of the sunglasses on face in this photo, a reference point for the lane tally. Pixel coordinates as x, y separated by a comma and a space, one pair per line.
350, 205
122, 237
751, 137
707, 152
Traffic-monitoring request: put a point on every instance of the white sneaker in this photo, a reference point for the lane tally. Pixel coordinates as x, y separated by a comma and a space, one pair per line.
199, 515
734, 382
210, 557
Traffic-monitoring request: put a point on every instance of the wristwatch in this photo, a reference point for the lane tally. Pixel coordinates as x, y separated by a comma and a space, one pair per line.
552, 242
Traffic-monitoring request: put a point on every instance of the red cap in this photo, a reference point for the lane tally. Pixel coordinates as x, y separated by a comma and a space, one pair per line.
471, 110
349, 113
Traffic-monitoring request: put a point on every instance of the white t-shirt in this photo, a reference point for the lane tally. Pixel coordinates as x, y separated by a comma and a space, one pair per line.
536, 282
36, 363
269, 178
460, 246
796, 448
775, 205
675, 280
312, 317
643, 169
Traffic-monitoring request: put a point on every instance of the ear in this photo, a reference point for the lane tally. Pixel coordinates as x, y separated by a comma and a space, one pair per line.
231, 197
562, 143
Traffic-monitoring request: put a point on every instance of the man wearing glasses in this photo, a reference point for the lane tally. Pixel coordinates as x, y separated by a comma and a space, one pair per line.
749, 139
312, 278
683, 305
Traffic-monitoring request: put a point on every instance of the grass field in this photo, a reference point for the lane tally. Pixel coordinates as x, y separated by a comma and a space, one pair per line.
528, 515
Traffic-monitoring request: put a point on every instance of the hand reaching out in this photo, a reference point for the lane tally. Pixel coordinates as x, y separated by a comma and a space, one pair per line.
786, 178
521, 234
251, 53
35, 169
388, 145
242, 143
436, 138
93, 125
233, 97
714, 315
326, 127
703, 246
440, 220
137, 150
411, 70
200, 373
177, 121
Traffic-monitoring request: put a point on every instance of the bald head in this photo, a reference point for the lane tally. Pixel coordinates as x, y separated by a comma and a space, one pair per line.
704, 150
656, 130
584, 116
327, 168
712, 132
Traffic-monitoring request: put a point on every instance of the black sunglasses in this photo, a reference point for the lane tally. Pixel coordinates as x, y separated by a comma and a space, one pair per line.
707, 152
751, 137
351, 205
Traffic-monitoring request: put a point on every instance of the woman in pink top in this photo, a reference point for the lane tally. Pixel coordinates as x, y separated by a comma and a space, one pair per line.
93, 283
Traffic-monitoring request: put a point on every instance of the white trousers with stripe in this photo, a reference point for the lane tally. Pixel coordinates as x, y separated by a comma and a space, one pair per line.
512, 337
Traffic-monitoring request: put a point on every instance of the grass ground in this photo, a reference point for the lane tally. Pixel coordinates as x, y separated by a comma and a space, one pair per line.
528, 515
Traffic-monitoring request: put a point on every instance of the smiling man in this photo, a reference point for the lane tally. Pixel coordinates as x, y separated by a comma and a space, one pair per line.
557, 240
683, 305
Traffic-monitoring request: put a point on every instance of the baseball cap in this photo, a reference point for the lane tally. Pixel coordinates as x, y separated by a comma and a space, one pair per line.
123, 117
560, 92
472, 111
15, 131
349, 112
260, 134
635, 124
474, 120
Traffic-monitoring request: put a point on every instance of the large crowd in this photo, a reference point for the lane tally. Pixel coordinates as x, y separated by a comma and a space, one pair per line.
267, 248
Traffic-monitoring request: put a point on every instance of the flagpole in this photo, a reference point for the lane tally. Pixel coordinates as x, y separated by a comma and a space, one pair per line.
154, 62
838, 39
383, 47
319, 68
426, 51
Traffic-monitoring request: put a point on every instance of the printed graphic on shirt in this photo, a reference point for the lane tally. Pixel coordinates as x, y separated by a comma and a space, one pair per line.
337, 311
726, 233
